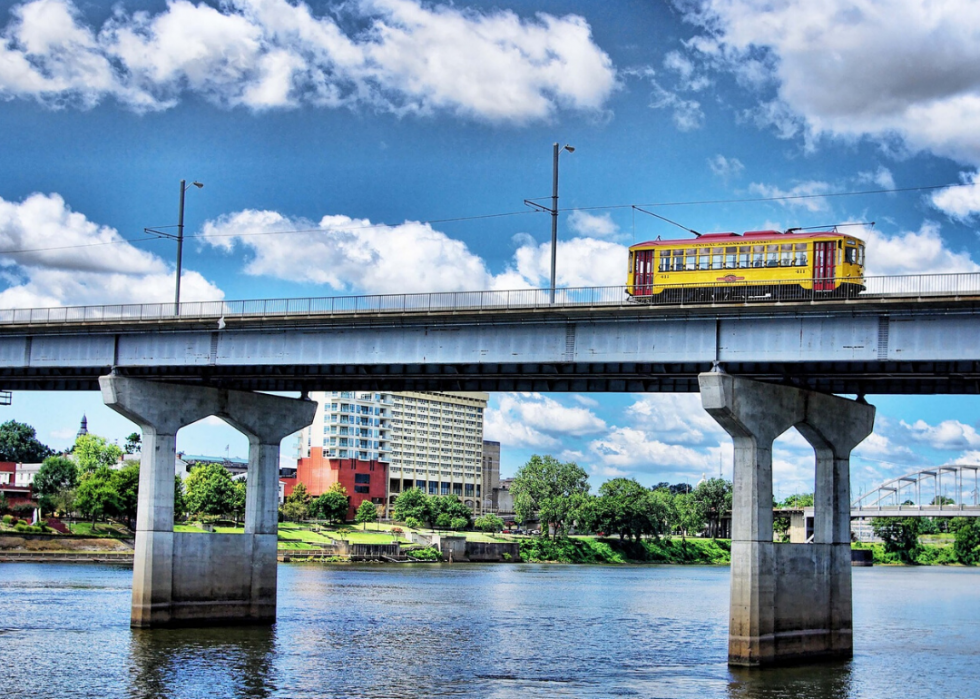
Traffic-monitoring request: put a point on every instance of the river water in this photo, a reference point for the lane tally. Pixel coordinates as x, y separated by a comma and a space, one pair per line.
470, 630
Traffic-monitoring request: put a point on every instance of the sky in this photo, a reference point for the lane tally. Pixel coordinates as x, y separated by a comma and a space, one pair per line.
387, 146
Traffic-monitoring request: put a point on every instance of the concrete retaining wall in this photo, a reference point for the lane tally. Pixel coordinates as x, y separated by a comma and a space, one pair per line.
493, 551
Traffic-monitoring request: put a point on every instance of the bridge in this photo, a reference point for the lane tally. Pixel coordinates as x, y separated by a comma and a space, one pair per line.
763, 362
916, 335
922, 494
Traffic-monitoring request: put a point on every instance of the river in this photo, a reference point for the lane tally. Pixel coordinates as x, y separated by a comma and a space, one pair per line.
470, 630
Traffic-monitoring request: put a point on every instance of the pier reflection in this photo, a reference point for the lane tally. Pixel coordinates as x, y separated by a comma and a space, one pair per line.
217, 662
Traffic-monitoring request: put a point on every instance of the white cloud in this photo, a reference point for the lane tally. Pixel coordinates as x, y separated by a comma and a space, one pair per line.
904, 68
581, 262
806, 195
912, 252
947, 435
725, 168
677, 418
877, 446
962, 202
500, 425
687, 113
548, 416
587, 224
70, 260
629, 449
882, 177
400, 56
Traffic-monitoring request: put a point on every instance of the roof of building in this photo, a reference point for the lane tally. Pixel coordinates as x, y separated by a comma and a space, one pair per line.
748, 236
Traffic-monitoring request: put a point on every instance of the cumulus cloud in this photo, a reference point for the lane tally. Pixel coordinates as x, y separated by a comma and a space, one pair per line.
890, 69
547, 416
947, 435
806, 195
912, 252
630, 449
676, 418
356, 254
881, 177
725, 168
399, 56
586, 224
53, 256
962, 202
581, 262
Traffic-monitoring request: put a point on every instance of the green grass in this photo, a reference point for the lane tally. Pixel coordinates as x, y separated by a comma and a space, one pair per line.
587, 549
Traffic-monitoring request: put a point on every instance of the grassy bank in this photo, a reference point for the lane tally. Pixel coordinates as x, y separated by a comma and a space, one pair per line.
592, 550
928, 555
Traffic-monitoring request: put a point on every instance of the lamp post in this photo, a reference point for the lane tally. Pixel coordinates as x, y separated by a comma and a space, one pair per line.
180, 240
554, 215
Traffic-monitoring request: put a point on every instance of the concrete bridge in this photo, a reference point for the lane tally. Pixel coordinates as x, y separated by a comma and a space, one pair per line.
762, 365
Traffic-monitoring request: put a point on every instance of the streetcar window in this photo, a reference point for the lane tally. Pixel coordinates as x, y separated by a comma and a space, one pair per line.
730, 257
704, 259
772, 255
717, 257
692, 263
678, 260
861, 255
664, 260
800, 260
850, 255
758, 252
743, 256
786, 255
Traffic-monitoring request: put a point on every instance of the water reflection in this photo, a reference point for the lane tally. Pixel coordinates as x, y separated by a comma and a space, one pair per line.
225, 662
830, 680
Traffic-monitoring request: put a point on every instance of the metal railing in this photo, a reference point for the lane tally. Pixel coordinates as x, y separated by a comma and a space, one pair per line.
921, 286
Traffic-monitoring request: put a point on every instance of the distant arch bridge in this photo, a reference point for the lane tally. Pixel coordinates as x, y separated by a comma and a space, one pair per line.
952, 490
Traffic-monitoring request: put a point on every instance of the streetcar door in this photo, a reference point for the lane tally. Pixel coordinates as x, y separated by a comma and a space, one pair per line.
824, 254
643, 275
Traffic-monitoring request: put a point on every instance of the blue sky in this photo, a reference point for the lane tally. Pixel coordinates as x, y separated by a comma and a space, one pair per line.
337, 140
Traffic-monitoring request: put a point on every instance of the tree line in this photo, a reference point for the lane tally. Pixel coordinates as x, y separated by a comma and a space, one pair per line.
558, 494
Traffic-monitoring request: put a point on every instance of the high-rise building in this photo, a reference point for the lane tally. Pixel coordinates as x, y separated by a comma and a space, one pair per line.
491, 474
430, 440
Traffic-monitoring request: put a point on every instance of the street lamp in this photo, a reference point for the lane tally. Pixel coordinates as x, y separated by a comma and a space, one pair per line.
179, 238
558, 150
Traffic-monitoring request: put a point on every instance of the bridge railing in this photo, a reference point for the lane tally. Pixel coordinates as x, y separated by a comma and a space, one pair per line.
734, 293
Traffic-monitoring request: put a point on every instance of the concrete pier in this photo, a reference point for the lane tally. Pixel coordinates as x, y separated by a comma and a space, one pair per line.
186, 579
789, 602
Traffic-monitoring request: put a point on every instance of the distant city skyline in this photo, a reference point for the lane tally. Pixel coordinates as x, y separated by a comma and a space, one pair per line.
358, 148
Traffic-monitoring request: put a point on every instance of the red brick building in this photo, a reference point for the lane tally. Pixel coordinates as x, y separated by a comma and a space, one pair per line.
15, 494
363, 480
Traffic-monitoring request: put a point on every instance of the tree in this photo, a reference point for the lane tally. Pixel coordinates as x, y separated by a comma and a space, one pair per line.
458, 524
549, 487
715, 496
56, 474
332, 505
412, 503
19, 443
180, 501
297, 505
798, 501
92, 451
126, 481
367, 512
209, 490
134, 443
689, 514
489, 523
966, 541
97, 496
899, 535
451, 506
240, 499
628, 509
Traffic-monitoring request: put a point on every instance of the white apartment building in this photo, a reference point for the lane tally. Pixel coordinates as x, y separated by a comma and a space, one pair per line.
430, 440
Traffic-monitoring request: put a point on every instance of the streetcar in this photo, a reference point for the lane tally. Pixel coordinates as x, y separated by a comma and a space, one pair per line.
794, 264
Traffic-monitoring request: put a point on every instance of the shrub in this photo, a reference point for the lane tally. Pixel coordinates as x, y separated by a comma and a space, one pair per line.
413, 522
23, 521
20, 526
426, 554
8, 519
458, 523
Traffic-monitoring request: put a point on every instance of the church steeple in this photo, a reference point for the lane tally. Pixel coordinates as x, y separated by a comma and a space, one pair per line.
83, 428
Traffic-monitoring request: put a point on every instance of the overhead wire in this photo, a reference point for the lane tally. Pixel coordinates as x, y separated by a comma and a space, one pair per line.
502, 214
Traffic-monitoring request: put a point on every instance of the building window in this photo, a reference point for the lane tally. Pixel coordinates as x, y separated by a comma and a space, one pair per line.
362, 489
362, 477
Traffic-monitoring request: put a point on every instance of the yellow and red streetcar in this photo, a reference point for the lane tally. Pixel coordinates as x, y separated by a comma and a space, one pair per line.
712, 266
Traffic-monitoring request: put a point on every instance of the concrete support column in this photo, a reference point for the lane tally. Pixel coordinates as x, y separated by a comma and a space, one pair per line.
201, 578
787, 601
